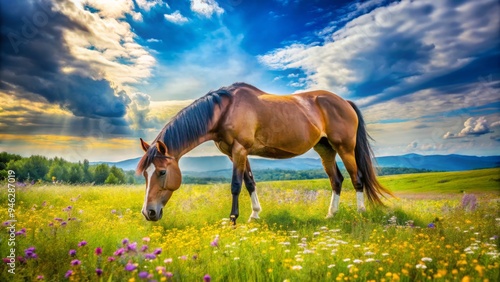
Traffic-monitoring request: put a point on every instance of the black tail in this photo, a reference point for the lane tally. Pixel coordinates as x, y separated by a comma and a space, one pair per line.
364, 156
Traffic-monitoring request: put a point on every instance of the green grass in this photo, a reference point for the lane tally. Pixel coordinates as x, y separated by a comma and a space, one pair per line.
292, 240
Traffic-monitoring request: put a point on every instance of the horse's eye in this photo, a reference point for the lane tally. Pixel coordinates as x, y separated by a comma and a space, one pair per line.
163, 172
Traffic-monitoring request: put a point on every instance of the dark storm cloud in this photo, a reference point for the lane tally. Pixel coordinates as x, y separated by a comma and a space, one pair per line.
33, 54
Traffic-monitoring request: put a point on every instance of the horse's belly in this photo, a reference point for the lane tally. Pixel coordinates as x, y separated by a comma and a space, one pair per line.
275, 153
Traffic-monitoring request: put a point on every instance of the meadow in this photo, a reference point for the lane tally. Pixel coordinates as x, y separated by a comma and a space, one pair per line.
442, 227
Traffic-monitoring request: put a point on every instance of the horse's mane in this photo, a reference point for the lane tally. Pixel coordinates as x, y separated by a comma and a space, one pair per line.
188, 125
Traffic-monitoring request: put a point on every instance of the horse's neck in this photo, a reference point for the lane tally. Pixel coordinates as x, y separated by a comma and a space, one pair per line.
177, 154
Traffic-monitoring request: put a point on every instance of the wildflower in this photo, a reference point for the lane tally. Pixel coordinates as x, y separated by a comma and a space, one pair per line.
64, 223
113, 211
21, 232
30, 253
215, 242
6, 223
40, 277
296, 267
132, 247
98, 271
125, 241
68, 273
149, 256
369, 260
369, 253
144, 248
347, 259
72, 253
358, 261
426, 259
469, 202
183, 257
207, 278
143, 275
331, 265
236, 258
146, 239
130, 267
119, 252
110, 259
195, 257
157, 251
168, 260
316, 233
420, 266
431, 225
169, 274
98, 251
75, 262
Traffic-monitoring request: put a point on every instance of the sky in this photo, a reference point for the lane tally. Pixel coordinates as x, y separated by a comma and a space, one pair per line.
84, 79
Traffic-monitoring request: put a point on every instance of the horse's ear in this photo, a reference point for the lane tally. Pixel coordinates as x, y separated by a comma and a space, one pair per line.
162, 148
145, 146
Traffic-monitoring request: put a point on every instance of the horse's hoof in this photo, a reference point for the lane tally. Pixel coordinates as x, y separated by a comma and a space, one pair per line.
252, 218
330, 215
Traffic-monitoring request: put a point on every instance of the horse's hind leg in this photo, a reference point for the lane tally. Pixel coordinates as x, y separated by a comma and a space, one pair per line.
250, 185
346, 153
327, 154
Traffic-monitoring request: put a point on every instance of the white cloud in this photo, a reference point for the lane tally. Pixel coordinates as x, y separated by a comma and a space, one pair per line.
153, 40
109, 46
206, 8
472, 127
176, 17
404, 44
147, 5
137, 16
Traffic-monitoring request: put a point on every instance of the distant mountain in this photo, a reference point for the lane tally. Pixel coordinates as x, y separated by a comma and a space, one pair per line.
197, 165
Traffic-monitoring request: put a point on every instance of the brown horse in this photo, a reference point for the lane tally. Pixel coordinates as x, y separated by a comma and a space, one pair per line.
243, 120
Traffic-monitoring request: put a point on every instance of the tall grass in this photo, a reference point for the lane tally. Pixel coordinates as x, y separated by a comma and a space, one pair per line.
425, 234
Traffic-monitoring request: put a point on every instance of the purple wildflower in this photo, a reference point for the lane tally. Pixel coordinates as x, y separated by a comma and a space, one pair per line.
143, 275
144, 248
6, 260
30, 253
149, 256
98, 271
40, 277
469, 202
21, 232
58, 219
132, 247
431, 225
63, 223
125, 241
119, 252
110, 259
183, 258
130, 267
82, 243
76, 262
51, 224
168, 274
68, 273
98, 251
207, 278
72, 253
195, 257
6, 223
215, 242
157, 251
113, 211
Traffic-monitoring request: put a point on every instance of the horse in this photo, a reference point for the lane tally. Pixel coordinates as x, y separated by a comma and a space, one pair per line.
242, 120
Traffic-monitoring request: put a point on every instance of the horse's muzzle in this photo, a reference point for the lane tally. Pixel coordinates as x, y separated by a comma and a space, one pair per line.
152, 214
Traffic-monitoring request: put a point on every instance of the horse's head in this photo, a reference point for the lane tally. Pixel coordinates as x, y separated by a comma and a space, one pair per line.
163, 177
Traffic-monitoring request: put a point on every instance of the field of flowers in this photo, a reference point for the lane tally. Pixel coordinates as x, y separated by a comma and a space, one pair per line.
443, 227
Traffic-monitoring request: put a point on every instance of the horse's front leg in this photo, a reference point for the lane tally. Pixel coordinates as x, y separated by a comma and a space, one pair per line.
239, 158
250, 184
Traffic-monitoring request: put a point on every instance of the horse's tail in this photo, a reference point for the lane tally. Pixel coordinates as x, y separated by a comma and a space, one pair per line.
364, 161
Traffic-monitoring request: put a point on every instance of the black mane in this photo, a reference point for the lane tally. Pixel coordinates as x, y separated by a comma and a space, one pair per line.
189, 124
192, 121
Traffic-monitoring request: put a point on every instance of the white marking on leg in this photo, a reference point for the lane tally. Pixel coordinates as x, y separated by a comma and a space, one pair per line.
361, 201
255, 206
150, 170
334, 205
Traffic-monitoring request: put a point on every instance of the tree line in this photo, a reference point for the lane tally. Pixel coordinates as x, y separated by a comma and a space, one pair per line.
35, 169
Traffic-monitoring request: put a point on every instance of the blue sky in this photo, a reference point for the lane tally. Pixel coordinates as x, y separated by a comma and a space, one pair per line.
86, 78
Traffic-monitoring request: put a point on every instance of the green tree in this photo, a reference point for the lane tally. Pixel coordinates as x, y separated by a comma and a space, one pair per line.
76, 173
87, 174
119, 174
112, 179
101, 173
58, 169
